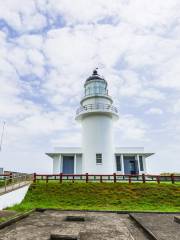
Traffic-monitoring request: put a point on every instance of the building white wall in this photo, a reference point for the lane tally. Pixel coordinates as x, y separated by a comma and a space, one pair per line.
97, 137
79, 163
67, 150
56, 164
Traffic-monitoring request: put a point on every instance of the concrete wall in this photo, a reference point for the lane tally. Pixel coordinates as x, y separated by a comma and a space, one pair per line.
14, 197
79, 163
56, 164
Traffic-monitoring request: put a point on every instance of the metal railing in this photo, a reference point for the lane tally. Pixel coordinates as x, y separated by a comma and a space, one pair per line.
9, 182
106, 178
98, 106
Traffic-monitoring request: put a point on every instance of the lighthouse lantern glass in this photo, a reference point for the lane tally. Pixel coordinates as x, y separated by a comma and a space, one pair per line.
96, 88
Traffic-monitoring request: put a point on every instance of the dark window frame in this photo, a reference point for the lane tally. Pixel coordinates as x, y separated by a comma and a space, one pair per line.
118, 163
141, 163
98, 158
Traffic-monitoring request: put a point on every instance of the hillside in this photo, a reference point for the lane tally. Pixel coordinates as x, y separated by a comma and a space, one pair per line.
102, 196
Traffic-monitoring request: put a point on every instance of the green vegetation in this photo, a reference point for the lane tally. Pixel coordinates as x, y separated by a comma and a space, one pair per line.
102, 196
168, 174
3, 219
1, 183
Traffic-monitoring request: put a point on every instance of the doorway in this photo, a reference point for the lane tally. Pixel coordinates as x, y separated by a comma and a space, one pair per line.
130, 165
68, 164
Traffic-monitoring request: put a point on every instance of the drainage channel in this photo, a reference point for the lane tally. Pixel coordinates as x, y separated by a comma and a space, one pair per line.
74, 218
62, 237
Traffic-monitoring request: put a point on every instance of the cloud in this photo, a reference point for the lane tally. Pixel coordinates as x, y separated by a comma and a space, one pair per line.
131, 127
154, 111
176, 107
49, 48
22, 16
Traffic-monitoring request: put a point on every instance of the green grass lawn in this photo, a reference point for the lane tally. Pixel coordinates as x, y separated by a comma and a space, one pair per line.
1, 183
102, 196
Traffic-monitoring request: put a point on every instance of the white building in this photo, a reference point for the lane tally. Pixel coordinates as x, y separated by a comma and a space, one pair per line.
98, 154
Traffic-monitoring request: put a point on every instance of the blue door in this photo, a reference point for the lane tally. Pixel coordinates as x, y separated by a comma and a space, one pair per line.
68, 164
130, 165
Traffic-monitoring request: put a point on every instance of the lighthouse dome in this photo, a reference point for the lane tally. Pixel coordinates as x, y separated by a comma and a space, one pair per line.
95, 76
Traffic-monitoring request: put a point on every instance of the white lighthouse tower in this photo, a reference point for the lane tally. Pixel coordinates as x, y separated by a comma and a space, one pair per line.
97, 155
96, 116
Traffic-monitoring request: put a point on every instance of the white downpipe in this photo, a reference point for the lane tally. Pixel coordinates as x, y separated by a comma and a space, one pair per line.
122, 163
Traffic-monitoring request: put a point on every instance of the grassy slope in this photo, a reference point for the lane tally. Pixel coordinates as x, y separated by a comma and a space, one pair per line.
102, 196
2, 183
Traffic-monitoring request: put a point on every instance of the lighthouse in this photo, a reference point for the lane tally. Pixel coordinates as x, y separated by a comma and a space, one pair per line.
97, 115
97, 153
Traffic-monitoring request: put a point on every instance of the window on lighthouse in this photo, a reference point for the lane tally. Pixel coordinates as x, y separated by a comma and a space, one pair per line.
98, 158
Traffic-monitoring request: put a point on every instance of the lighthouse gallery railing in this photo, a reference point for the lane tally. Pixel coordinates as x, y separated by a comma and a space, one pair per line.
98, 106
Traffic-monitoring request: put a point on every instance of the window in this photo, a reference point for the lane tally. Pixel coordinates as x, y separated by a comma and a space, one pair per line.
118, 163
141, 163
98, 158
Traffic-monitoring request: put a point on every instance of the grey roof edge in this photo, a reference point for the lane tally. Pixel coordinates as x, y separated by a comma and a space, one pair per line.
146, 154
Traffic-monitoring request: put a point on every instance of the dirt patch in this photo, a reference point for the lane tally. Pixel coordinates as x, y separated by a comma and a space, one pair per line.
7, 213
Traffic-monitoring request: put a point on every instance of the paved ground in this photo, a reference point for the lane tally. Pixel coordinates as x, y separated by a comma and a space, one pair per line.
97, 226
162, 226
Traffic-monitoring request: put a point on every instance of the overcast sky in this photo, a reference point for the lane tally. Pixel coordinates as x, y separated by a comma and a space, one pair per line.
49, 47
